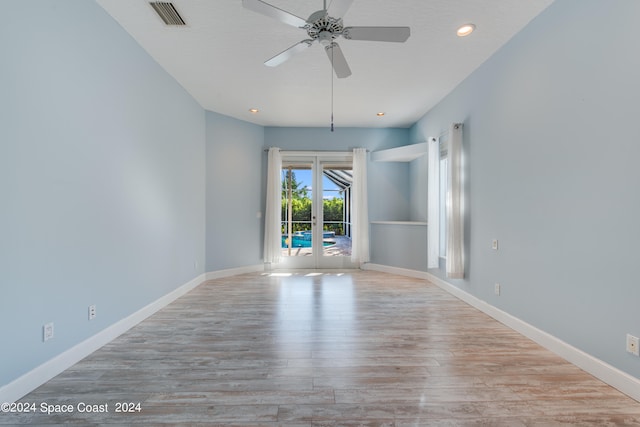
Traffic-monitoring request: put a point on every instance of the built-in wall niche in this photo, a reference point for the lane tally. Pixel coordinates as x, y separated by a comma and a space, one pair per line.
406, 202
406, 153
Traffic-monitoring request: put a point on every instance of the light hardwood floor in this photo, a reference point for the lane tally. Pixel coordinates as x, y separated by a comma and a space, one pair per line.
340, 349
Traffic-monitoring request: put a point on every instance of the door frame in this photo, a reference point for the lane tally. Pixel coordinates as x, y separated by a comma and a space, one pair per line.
317, 260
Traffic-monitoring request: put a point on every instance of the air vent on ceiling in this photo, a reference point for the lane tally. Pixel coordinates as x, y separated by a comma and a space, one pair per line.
167, 11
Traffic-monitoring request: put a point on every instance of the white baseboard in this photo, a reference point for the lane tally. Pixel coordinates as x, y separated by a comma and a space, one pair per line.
395, 270
616, 378
33, 379
611, 375
234, 271
43, 373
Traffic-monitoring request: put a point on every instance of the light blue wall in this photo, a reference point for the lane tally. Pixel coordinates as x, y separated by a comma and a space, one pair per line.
418, 176
399, 245
389, 189
234, 182
102, 179
340, 140
551, 143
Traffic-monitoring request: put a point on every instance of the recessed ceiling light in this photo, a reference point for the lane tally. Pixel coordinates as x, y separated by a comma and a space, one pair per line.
253, 110
380, 114
465, 30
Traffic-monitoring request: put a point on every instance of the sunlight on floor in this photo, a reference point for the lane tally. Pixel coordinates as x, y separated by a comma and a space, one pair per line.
305, 273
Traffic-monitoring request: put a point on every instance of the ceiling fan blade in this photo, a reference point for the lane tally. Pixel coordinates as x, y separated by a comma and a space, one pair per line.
378, 34
285, 55
274, 12
338, 61
338, 8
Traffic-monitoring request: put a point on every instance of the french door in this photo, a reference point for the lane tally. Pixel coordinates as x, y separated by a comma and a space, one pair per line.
316, 207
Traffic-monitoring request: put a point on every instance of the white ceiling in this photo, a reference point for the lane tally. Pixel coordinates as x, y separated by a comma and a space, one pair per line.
218, 57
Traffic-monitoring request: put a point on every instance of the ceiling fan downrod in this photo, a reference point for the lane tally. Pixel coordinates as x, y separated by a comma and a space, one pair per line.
331, 89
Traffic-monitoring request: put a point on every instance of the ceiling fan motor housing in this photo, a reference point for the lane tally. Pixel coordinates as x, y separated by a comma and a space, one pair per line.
322, 27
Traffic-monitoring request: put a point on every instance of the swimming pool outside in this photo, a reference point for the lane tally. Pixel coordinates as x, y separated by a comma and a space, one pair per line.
301, 242
340, 246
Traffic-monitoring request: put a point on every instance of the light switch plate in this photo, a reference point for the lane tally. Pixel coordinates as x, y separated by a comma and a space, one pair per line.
47, 332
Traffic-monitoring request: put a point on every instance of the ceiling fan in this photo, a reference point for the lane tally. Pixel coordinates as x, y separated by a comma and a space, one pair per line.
325, 26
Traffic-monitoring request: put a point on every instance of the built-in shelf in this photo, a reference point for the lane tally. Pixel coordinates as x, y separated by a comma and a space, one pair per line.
399, 222
406, 153
390, 238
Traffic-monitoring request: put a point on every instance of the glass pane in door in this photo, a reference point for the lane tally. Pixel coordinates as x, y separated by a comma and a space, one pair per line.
336, 209
297, 210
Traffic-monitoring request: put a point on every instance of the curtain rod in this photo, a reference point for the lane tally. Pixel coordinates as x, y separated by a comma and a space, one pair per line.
446, 131
310, 152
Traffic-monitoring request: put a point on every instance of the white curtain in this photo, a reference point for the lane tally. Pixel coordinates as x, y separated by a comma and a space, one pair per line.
360, 209
455, 205
272, 227
433, 200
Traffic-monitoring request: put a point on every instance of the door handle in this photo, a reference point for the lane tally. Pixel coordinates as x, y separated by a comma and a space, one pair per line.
314, 219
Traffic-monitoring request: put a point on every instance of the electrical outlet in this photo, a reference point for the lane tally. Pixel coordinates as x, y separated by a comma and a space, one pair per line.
47, 332
92, 312
633, 345
496, 288
494, 244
